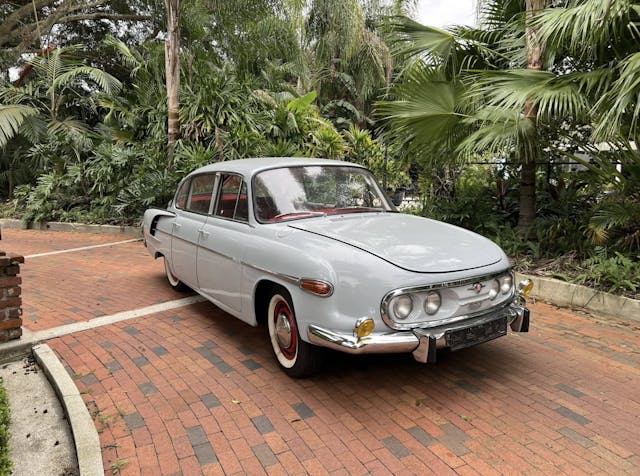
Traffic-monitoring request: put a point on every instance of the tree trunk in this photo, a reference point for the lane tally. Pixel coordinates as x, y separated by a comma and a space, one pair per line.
529, 150
173, 75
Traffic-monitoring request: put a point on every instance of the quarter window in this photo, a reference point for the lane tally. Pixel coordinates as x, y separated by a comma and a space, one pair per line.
201, 192
232, 200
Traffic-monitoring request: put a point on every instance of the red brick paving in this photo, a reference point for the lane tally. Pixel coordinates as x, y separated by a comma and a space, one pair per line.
29, 242
556, 401
82, 285
195, 391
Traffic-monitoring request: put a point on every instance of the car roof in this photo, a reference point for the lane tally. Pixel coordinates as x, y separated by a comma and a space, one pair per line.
249, 167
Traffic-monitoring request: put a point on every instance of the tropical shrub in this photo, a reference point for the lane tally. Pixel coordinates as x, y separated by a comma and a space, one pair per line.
6, 464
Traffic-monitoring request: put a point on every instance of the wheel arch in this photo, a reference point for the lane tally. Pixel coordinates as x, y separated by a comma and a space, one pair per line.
263, 291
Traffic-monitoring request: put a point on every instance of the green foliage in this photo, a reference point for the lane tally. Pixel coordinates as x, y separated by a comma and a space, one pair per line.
612, 272
6, 464
363, 149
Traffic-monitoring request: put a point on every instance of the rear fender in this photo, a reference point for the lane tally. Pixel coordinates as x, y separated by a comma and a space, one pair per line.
150, 223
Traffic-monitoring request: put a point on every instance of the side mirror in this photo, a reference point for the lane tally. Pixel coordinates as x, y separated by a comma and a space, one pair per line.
398, 197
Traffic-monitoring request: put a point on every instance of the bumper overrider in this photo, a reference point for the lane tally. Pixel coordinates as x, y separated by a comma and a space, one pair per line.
423, 342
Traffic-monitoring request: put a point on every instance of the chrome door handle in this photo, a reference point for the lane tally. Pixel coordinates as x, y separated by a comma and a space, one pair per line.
205, 234
177, 226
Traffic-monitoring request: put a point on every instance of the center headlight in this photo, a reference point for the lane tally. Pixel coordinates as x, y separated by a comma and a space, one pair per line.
432, 302
402, 306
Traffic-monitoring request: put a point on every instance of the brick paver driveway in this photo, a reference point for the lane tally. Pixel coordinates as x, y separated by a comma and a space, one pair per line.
192, 390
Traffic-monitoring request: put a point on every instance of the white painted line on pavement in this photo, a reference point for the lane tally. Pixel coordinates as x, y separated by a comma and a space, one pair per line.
66, 329
82, 248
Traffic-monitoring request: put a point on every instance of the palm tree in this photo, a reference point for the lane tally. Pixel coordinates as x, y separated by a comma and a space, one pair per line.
469, 90
173, 76
603, 41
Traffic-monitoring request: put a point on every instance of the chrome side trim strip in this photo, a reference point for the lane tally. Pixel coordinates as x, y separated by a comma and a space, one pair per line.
290, 279
284, 277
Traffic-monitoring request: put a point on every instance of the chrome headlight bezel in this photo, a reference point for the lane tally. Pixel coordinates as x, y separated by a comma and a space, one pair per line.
446, 314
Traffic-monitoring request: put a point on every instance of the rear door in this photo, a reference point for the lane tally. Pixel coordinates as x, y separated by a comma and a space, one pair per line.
188, 225
222, 243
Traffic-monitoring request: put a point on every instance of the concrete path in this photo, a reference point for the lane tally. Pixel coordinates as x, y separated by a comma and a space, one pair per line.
191, 390
41, 442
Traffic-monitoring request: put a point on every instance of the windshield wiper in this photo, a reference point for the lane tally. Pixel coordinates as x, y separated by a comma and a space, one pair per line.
294, 215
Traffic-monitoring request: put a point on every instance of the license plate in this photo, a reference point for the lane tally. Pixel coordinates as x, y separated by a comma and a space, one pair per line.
487, 331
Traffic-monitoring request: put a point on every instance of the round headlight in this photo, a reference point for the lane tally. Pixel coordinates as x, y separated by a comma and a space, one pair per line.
402, 306
507, 283
495, 289
432, 302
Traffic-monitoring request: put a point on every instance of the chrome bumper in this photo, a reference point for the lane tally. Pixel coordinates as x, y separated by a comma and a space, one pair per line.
421, 342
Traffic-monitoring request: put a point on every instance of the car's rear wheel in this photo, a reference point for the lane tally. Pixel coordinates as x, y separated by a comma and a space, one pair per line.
173, 280
296, 357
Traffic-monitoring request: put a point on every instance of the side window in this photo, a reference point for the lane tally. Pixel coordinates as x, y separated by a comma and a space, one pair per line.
201, 191
232, 198
183, 194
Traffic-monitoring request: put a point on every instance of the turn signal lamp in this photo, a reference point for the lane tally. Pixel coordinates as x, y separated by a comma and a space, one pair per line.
319, 288
364, 327
525, 287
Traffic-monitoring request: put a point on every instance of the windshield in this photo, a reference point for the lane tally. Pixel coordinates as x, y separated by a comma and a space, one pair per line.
302, 192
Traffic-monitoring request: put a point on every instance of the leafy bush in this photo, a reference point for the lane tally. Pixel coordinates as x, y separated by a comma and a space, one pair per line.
5, 422
612, 273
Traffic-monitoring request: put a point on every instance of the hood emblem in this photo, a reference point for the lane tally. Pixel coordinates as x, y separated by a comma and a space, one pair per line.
477, 287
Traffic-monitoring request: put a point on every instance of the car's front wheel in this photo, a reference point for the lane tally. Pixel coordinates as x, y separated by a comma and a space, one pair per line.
173, 280
296, 357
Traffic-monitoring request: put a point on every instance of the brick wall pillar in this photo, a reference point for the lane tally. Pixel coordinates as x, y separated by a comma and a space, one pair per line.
10, 300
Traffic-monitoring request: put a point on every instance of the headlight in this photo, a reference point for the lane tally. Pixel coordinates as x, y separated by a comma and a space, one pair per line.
402, 306
507, 283
432, 302
495, 289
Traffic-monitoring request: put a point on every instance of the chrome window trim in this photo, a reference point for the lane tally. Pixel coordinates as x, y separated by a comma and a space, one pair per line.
384, 305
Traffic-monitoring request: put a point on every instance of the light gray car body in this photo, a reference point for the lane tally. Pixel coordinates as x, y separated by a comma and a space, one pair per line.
366, 257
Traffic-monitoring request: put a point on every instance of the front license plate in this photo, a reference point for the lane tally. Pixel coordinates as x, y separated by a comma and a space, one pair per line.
476, 334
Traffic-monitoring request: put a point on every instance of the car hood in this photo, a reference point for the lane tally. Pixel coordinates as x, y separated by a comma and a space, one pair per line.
413, 243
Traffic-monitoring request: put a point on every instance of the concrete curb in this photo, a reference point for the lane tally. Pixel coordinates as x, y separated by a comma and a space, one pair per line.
572, 295
77, 227
85, 436
18, 348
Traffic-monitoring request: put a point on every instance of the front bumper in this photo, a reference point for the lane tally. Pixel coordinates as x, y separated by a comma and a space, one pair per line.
423, 343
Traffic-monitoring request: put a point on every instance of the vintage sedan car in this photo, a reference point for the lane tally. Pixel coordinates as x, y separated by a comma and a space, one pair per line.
315, 249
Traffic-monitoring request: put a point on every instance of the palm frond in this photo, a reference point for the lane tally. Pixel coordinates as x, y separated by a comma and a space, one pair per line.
415, 39
621, 100
583, 27
427, 109
498, 130
12, 116
108, 83
554, 96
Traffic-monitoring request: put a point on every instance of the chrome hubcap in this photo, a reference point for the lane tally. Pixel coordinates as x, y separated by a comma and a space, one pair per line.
283, 331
